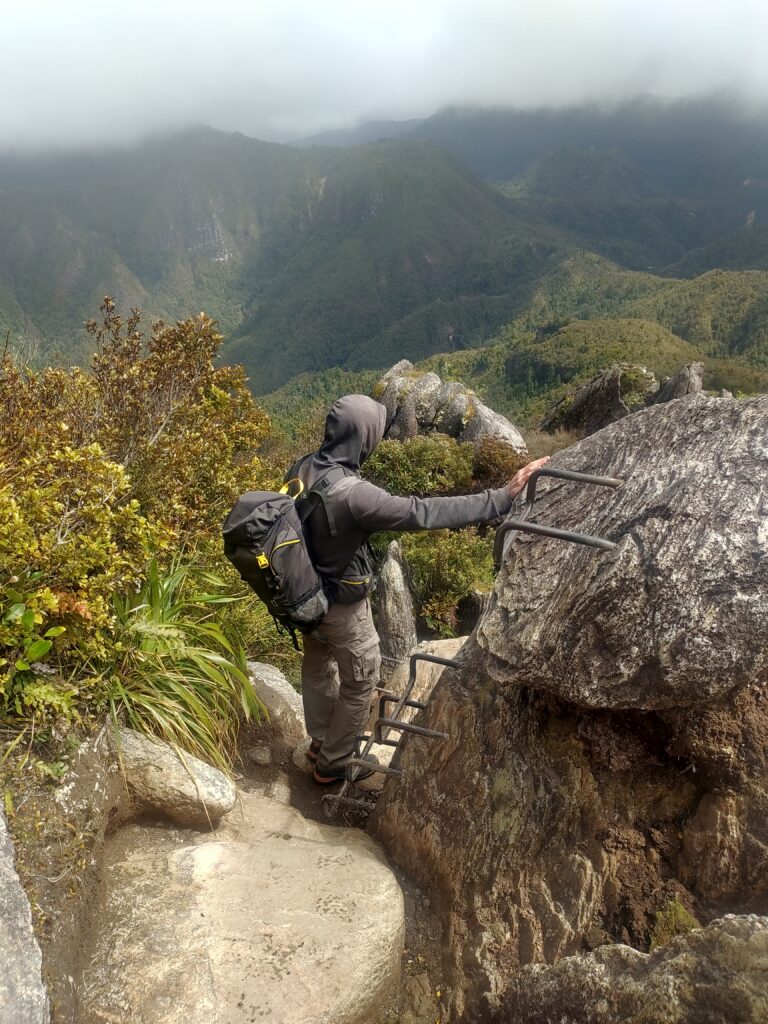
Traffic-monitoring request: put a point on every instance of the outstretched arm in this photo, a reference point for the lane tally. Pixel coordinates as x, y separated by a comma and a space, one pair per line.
375, 509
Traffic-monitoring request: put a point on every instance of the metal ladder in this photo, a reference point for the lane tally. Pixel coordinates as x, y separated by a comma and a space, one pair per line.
387, 723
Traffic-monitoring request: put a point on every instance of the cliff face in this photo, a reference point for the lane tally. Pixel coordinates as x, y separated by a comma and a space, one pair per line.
608, 723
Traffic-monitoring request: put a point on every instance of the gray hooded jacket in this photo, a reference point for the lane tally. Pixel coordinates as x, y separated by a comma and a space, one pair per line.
354, 427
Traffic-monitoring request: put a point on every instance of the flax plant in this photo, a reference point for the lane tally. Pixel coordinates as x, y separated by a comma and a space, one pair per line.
179, 675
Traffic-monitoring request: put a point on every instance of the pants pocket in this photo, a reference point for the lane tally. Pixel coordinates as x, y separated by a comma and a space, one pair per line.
362, 658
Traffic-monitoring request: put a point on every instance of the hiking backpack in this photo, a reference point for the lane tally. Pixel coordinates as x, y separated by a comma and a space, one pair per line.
264, 539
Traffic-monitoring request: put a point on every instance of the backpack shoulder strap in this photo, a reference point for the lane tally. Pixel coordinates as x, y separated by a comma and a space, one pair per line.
320, 492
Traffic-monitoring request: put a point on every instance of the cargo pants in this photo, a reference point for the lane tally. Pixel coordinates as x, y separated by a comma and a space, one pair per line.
341, 667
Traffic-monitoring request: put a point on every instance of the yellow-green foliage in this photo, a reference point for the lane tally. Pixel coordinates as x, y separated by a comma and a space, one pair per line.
673, 920
68, 540
141, 455
447, 565
426, 464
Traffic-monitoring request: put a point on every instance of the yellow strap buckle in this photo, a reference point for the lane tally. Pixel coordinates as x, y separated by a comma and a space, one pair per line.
262, 561
295, 482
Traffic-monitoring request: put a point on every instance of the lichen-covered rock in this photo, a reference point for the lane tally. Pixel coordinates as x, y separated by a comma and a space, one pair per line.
422, 402
23, 998
608, 397
715, 975
395, 620
177, 786
608, 724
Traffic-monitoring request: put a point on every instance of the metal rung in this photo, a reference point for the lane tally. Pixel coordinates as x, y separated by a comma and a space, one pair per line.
393, 699
418, 730
523, 524
332, 800
552, 531
364, 742
360, 762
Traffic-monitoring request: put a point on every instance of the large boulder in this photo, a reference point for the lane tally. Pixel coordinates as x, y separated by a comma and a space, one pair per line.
607, 754
271, 918
687, 381
423, 403
676, 615
716, 975
23, 998
615, 393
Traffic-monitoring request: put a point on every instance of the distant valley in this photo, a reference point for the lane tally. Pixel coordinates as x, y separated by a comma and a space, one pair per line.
473, 237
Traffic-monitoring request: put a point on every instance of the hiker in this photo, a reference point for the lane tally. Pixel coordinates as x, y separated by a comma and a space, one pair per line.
341, 656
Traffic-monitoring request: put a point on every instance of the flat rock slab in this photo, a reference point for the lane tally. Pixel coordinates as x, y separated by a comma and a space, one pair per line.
273, 918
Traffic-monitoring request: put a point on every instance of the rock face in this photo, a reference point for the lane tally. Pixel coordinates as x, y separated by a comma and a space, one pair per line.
608, 751
184, 789
396, 622
618, 391
688, 381
271, 918
422, 403
608, 397
716, 975
23, 998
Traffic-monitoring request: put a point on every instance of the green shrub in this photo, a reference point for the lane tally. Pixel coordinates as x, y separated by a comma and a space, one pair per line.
426, 464
102, 470
445, 566
68, 540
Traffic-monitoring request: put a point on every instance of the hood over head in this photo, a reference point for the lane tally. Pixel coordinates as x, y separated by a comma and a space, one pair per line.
354, 427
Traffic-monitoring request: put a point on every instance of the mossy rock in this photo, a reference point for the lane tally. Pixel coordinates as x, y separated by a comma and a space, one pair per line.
675, 919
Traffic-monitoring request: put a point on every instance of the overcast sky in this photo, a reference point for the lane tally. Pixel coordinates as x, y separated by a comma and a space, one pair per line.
77, 71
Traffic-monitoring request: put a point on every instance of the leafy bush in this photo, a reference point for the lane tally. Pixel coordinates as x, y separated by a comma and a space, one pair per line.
426, 464
445, 566
68, 540
101, 471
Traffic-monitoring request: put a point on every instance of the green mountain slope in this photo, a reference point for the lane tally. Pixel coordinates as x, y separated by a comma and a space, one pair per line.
321, 257
406, 247
167, 225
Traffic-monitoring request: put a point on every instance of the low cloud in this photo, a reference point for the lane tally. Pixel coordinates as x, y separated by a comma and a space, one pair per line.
85, 73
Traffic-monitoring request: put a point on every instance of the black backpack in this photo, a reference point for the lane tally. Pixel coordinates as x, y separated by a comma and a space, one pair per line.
265, 541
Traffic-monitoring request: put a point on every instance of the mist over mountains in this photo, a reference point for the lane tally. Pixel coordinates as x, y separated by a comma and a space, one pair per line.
432, 238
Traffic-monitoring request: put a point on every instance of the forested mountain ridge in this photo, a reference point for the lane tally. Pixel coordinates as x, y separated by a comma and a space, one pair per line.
354, 257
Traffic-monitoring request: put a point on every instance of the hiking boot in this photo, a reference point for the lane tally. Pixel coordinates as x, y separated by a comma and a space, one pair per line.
314, 750
327, 776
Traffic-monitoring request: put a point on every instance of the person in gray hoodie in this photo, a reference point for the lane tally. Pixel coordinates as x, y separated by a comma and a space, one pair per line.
341, 660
